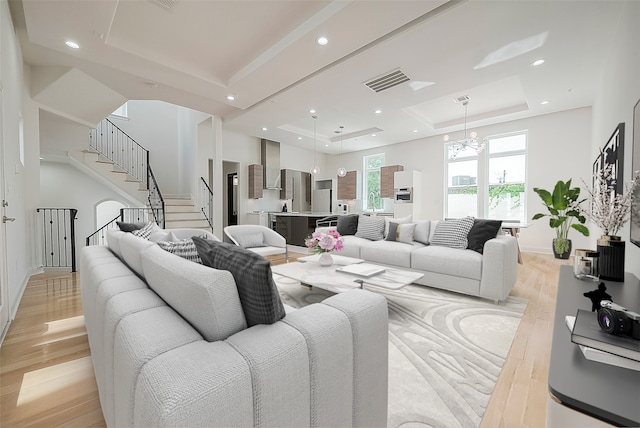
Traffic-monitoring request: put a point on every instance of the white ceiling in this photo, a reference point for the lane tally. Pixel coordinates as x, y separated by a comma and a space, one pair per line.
196, 52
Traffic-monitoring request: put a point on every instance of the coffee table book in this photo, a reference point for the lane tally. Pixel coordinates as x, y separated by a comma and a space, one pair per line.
587, 332
362, 269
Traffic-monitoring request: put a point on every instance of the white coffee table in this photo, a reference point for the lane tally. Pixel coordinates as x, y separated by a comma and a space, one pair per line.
309, 272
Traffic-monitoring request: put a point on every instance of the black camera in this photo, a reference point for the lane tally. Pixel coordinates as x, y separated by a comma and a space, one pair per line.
615, 319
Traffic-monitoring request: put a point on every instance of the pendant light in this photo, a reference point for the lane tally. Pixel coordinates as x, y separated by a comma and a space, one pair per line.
342, 171
316, 169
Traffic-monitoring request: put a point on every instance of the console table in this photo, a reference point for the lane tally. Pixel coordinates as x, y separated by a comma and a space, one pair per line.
608, 393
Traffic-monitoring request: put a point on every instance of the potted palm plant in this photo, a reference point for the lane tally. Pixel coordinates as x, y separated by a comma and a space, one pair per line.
564, 208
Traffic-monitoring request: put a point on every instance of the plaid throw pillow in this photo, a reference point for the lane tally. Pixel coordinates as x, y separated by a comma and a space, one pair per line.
258, 293
147, 230
184, 248
452, 233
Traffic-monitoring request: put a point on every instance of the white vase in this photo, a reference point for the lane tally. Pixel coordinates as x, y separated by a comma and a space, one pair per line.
325, 259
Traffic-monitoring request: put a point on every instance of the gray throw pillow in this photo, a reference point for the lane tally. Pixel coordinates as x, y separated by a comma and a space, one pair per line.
250, 240
258, 293
401, 232
452, 233
371, 228
129, 227
184, 248
481, 232
347, 224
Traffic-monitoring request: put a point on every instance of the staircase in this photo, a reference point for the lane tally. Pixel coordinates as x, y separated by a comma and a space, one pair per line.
182, 213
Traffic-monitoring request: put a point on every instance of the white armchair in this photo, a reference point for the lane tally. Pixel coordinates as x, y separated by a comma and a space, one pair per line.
259, 239
188, 233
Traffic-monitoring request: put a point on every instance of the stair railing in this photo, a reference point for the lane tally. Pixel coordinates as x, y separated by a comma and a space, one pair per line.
156, 202
118, 147
206, 201
127, 215
56, 227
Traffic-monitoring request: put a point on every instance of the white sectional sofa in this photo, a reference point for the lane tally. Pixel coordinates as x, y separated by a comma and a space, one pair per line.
171, 347
490, 274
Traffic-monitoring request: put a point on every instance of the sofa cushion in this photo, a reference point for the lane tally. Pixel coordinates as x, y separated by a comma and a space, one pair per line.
250, 239
448, 261
207, 298
347, 224
481, 232
401, 232
252, 273
452, 233
370, 227
131, 247
113, 241
421, 233
351, 246
388, 253
163, 235
184, 248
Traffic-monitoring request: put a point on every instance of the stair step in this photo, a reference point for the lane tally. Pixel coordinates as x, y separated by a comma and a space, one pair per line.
178, 201
176, 224
196, 215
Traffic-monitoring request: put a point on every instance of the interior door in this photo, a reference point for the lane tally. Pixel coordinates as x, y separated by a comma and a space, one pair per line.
4, 283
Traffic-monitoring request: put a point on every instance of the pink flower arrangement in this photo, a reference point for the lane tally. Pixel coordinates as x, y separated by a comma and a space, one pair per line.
320, 242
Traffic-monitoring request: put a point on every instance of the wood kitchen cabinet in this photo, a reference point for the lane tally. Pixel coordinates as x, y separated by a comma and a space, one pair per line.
386, 180
350, 186
286, 184
255, 181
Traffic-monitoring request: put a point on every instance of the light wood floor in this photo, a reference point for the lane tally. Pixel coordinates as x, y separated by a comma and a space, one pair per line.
46, 376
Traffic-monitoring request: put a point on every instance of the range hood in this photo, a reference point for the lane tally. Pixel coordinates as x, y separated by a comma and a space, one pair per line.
270, 155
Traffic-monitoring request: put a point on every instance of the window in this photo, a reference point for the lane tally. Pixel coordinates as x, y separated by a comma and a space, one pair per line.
371, 182
490, 184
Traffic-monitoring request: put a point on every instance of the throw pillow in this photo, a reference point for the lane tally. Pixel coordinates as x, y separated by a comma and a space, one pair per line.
399, 220
421, 234
481, 231
162, 235
371, 228
401, 232
250, 240
147, 230
184, 248
452, 233
258, 293
129, 227
347, 224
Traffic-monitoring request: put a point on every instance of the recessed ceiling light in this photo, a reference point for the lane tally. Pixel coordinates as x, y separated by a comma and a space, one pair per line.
231, 97
264, 128
322, 40
537, 62
72, 44
544, 102
312, 111
299, 138
415, 130
373, 135
326, 145
378, 111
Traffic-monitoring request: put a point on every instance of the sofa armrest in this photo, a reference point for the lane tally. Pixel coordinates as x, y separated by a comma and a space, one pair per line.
499, 267
322, 365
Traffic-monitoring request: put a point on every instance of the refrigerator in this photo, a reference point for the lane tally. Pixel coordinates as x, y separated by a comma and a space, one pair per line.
321, 201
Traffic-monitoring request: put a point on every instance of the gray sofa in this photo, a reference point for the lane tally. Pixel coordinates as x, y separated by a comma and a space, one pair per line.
491, 274
170, 347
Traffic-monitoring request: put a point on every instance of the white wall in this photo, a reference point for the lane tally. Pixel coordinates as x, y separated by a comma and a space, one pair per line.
618, 92
64, 186
19, 179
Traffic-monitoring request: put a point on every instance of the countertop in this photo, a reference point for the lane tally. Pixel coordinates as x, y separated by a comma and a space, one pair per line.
303, 214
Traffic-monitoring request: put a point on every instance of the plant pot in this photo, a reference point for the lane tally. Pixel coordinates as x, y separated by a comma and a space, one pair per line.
611, 263
561, 248
325, 259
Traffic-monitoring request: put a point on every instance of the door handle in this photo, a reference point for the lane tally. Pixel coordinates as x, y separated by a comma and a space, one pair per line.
6, 219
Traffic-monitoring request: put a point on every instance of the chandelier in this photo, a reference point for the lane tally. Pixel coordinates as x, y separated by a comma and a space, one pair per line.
468, 142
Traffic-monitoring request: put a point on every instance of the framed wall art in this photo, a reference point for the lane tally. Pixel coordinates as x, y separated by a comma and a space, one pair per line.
635, 166
613, 154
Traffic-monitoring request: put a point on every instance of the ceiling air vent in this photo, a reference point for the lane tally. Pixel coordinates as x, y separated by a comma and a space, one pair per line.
386, 81
165, 4
461, 99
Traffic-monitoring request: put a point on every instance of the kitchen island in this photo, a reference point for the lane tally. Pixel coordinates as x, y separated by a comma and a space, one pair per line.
297, 226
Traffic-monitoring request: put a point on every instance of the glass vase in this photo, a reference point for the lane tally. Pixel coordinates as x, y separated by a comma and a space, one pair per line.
325, 259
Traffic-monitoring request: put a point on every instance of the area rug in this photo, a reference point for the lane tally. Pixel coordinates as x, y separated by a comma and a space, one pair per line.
446, 351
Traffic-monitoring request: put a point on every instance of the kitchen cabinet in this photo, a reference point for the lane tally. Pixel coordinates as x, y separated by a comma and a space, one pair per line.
286, 184
350, 186
255, 181
386, 180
